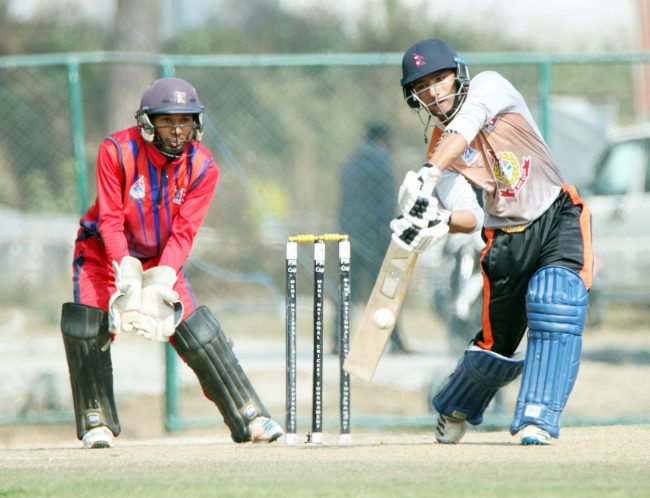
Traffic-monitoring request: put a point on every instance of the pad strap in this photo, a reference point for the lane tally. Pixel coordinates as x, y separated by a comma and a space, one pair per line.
87, 340
471, 387
556, 303
201, 342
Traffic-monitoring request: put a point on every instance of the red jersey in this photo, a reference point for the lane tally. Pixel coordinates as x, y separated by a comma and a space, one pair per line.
149, 205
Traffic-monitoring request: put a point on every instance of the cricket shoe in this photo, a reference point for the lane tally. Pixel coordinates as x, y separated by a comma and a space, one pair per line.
264, 430
533, 435
449, 430
99, 437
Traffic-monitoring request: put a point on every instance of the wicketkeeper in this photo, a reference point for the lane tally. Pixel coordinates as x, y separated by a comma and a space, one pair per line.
537, 261
155, 182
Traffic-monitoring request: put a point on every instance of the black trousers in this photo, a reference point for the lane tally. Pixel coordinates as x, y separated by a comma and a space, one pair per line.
560, 237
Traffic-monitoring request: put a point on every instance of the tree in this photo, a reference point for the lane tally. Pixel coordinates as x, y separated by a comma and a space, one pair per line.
135, 29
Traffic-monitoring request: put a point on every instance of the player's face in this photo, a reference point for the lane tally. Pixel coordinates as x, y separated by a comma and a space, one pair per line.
436, 91
173, 129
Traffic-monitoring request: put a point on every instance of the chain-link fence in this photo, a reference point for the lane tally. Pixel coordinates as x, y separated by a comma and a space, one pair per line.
281, 129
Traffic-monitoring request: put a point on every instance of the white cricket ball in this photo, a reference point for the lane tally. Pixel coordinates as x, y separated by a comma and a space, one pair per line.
383, 318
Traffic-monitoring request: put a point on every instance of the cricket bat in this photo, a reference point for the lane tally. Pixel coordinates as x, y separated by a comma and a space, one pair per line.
384, 304
381, 312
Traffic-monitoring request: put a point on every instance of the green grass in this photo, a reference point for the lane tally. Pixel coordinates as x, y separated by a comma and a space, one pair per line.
331, 479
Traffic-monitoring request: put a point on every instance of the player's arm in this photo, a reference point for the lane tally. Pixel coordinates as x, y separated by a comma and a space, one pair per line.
421, 223
415, 198
447, 150
110, 198
125, 300
462, 222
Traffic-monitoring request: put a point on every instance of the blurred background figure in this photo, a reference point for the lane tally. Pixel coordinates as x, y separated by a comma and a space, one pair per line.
367, 203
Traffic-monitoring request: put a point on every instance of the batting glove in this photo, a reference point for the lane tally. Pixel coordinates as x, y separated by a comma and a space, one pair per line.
415, 197
124, 304
412, 237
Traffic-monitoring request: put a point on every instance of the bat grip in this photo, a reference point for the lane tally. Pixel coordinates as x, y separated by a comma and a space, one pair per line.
430, 175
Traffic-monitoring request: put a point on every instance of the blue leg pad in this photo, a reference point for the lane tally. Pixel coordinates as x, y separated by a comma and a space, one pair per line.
556, 303
471, 387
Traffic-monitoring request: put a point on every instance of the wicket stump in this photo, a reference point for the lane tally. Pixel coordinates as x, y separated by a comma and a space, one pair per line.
316, 434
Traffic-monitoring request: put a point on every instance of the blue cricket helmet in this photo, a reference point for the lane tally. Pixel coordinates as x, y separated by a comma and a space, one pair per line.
427, 57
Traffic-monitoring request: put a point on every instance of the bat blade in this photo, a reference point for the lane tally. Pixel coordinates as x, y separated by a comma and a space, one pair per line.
388, 294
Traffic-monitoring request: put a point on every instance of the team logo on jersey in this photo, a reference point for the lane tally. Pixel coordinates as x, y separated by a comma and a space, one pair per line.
419, 60
491, 124
137, 191
180, 97
511, 175
179, 195
470, 157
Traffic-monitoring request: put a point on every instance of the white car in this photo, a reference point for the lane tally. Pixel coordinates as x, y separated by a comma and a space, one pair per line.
619, 199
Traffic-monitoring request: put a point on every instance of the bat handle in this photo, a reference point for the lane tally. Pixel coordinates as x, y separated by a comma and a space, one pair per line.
430, 174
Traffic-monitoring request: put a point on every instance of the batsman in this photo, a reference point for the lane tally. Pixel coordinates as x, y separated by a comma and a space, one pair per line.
155, 183
537, 260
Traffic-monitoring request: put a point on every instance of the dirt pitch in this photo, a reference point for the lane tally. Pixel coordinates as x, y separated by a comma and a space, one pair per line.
589, 461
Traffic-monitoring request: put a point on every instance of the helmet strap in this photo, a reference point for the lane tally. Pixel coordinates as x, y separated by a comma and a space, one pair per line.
160, 145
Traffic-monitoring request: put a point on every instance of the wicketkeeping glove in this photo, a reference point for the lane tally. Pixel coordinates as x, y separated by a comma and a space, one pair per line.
124, 304
413, 237
160, 310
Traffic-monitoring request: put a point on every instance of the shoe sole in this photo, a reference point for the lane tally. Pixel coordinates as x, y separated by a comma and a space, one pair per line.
95, 439
533, 436
100, 444
275, 437
272, 438
533, 441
